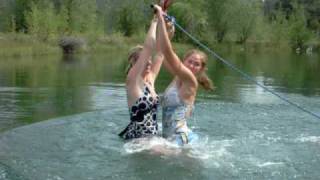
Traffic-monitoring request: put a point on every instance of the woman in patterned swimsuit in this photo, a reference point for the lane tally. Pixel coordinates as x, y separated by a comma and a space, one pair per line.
180, 95
142, 98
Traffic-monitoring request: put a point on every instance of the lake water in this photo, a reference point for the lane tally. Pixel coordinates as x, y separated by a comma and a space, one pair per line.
59, 119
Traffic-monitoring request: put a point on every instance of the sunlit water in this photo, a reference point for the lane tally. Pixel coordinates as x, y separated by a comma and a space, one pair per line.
59, 120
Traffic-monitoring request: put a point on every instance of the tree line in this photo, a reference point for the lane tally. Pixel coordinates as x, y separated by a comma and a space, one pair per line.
292, 22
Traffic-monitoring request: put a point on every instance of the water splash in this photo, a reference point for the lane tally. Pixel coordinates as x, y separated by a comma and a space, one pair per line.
305, 138
205, 148
210, 152
152, 145
267, 164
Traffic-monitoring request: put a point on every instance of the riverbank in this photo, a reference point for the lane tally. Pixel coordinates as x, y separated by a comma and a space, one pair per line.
20, 45
17, 45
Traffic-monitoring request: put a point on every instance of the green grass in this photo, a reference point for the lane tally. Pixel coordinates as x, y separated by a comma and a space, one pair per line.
25, 45
20, 45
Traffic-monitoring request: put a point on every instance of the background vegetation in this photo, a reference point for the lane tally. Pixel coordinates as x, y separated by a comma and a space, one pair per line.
278, 24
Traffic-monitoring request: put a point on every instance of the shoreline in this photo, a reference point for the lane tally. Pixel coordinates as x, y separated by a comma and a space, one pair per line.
19, 45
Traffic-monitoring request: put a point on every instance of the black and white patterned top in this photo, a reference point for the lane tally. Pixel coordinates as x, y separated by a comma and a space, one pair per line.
143, 117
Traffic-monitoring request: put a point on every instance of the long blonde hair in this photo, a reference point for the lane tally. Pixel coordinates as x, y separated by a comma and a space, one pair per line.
202, 77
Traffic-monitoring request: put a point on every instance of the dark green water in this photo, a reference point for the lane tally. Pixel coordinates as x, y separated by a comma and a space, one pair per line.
59, 119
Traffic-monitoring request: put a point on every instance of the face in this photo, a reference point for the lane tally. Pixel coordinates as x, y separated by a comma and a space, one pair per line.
148, 67
194, 63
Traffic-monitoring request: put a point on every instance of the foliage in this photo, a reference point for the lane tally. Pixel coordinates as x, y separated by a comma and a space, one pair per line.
244, 17
219, 17
279, 29
82, 15
126, 21
41, 20
19, 8
298, 32
293, 22
190, 15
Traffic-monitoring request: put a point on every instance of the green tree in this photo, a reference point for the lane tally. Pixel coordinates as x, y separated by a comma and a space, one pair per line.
20, 7
133, 16
312, 12
298, 32
62, 18
190, 15
219, 16
126, 21
7, 18
82, 15
279, 29
42, 20
244, 13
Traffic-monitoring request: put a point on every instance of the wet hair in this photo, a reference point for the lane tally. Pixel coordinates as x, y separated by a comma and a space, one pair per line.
202, 77
133, 56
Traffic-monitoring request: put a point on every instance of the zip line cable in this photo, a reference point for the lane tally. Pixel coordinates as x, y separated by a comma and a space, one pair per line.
233, 67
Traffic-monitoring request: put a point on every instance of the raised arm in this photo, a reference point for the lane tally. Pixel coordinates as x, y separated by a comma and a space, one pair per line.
149, 43
176, 67
159, 57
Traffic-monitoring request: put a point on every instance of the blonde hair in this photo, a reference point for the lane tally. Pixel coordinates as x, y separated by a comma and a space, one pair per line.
202, 77
133, 56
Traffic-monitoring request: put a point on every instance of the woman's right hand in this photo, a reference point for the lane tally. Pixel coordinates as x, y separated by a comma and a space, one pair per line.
158, 10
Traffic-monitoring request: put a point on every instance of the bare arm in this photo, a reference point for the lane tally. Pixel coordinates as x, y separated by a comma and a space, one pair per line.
175, 65
136, 71
134, 77
156, 65
159, 57
160, 54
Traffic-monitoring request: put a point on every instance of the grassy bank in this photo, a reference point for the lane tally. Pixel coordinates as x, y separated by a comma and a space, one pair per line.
27, 45
20, 45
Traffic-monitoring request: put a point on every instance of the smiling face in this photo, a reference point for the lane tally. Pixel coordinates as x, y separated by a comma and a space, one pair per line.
195, 61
